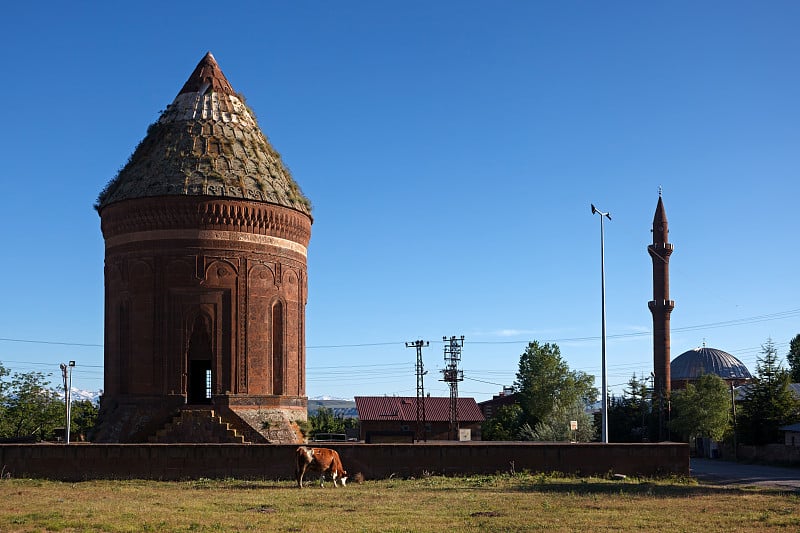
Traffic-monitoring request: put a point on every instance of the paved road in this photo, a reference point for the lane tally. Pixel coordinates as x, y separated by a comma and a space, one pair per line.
729, 473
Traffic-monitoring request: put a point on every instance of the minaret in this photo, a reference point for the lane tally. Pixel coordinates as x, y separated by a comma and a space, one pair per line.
661, 307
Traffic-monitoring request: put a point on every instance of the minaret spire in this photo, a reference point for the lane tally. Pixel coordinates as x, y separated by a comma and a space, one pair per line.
661, 307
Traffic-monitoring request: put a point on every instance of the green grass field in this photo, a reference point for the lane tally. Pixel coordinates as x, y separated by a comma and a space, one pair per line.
519, 502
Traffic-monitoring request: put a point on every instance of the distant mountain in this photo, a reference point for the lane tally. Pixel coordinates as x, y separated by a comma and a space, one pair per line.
330, 398
340, 407
79, 395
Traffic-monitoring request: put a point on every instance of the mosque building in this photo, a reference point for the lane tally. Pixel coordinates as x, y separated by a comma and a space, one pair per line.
691, 364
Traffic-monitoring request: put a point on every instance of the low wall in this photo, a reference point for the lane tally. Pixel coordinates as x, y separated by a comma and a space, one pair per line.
79, 461
770, 453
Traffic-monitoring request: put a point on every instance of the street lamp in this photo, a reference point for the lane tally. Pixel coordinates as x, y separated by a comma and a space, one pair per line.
733, 412
67, 394
604, 430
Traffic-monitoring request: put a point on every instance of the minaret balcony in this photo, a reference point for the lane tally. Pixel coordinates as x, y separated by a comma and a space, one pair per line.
658, 305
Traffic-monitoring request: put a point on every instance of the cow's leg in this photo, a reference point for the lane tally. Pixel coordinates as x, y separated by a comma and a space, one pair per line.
301, 470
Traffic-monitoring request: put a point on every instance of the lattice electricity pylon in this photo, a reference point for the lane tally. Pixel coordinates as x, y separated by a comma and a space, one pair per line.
420, 433
452, 375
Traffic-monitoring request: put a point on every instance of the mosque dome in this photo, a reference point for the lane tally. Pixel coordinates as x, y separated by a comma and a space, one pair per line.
690, 365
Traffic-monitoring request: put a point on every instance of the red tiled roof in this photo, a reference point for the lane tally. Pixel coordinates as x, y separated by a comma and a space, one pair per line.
404, 408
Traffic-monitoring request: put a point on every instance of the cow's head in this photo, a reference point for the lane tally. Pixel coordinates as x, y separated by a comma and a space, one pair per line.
343, 477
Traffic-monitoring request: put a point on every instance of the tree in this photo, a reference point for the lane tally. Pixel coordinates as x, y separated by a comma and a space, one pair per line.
325, 421
83, 417
702, 409
3, 386
793, 358
630, 418
769, 402
504, 425
544, 381
29, 406
555, 427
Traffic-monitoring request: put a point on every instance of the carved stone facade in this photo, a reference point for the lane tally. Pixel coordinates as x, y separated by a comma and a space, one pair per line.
205, 287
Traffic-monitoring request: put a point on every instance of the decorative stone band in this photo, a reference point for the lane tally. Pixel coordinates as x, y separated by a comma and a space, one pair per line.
246, 220
252, 401
204, 235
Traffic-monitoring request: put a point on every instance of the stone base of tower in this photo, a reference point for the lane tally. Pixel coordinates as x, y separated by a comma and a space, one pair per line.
272, 419
259, 419
133, 418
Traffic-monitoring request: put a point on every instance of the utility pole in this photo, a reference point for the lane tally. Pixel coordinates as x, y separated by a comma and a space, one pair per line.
63, 368
419, 345
733, 415
67, 395
452, 375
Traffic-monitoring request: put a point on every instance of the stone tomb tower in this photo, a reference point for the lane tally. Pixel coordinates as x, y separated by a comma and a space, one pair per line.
205, 279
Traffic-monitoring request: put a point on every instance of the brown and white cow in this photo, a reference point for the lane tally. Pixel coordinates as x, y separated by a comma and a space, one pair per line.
320, 460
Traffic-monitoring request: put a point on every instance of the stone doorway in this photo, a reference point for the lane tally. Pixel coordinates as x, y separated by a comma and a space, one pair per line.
199, 382
199, 364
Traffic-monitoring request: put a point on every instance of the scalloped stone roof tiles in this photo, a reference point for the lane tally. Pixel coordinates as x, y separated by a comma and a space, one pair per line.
206, 143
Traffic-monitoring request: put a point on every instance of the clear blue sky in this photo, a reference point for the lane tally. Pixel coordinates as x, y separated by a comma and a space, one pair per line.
451, 151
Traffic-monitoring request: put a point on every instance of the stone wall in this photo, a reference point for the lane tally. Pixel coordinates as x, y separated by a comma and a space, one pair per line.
76, 462
769, 453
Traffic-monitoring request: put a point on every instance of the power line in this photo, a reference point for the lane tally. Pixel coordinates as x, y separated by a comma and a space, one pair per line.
781, 315
47, 364
52, 342
399, 369
360, 345
487, 382
340, 367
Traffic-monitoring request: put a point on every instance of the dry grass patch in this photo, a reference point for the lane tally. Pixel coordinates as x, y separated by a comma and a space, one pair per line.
519, 502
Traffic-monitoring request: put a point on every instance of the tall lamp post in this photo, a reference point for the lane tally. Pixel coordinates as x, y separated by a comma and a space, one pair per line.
67, 395
733, 414
604, 430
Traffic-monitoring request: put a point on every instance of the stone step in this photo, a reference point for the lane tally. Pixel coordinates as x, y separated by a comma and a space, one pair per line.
197, 425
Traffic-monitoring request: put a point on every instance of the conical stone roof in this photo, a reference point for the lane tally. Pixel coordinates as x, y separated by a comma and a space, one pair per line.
206, 143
